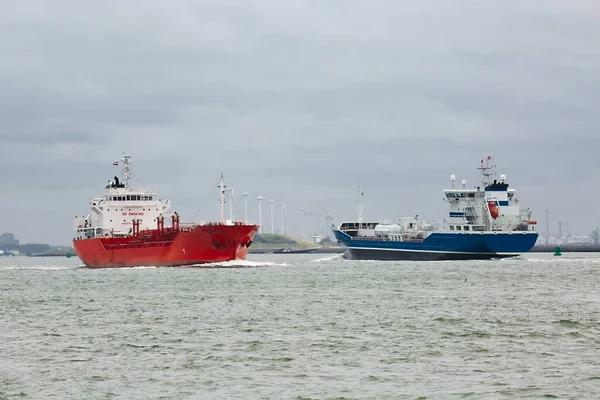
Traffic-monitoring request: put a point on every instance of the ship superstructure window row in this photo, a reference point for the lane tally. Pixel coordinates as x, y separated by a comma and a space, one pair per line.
449, 195
135, 197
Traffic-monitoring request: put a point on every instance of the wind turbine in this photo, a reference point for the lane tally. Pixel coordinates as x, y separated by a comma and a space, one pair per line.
328, 219
309, 224
272, 226
305, 211
282, 207
259, 198
315, 232
245, 194
319, 215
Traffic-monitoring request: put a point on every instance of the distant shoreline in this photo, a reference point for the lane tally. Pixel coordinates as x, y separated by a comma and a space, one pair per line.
566, 248
318, 250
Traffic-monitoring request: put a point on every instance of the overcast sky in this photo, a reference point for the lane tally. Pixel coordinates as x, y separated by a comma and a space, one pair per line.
302, 101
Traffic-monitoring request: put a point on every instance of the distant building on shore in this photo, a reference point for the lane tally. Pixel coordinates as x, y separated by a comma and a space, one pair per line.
8, 240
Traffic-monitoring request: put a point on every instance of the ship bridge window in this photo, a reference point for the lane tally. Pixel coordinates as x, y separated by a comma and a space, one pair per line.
458, 227
451, 227
466, 228
471, 194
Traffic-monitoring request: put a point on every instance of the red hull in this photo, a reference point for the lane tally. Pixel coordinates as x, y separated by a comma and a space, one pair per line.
169, 248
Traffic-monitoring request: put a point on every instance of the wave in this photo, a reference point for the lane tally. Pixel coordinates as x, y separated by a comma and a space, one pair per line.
223, 264
238, 264
328, 258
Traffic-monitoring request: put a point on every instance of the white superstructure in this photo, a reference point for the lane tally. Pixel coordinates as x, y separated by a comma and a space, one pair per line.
493, 207
113, 213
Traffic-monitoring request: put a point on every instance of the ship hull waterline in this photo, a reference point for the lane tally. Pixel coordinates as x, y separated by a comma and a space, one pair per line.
399, 255
441, 246
204, 244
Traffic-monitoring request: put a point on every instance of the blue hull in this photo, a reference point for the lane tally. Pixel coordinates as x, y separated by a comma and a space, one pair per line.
441, 246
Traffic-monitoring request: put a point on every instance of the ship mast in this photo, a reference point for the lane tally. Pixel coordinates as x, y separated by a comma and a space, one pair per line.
487, 170
126, 169
359, 207
222, 197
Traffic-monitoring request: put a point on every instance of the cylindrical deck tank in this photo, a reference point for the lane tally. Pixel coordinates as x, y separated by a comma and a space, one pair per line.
382, 230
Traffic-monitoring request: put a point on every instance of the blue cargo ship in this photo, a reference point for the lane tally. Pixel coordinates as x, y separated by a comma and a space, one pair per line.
484, 222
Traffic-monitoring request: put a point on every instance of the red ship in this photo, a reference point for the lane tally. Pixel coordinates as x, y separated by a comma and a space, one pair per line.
126, 228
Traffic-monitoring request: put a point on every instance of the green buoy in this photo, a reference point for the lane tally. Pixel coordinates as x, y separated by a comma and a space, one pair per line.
557, 251
68, 254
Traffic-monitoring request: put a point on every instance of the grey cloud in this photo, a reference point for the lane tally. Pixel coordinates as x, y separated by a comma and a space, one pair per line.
299, 100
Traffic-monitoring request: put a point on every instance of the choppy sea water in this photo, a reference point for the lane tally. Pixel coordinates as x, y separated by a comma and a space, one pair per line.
302, 327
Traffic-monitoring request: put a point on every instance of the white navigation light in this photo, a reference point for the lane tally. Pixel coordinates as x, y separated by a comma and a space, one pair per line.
452, 178
502, 177
464, 183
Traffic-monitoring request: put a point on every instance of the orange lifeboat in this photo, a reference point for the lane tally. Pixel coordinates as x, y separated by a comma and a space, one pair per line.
494, 212
532, 222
